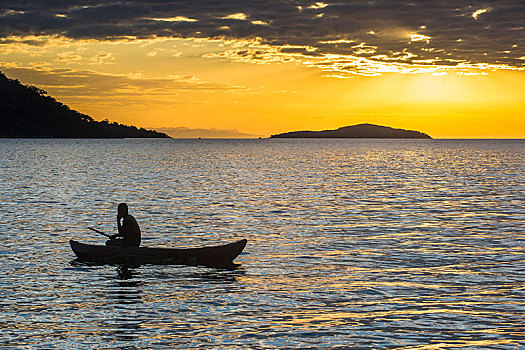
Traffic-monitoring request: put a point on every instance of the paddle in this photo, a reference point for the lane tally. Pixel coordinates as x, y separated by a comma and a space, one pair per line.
97, 231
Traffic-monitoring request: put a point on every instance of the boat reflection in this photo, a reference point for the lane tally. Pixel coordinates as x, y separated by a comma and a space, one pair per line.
125, 273
126, 288
208, 274
126, 330
227, 267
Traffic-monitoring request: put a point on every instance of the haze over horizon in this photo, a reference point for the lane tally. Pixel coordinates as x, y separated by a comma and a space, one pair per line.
451, 70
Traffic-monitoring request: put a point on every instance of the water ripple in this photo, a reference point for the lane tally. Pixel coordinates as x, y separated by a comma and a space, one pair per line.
352, 243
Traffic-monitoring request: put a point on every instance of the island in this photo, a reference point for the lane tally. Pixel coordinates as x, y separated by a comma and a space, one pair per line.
28, 112
359, 131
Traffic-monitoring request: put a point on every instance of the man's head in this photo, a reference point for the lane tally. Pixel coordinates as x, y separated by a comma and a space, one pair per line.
122, 209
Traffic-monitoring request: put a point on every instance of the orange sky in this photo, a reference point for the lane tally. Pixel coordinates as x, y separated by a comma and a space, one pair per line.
261, 89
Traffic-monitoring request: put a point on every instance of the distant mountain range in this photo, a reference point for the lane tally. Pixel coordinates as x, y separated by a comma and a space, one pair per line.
360, 131
183, 132
27, 111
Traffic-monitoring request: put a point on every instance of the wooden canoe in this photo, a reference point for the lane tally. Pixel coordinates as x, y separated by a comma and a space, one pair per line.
215, 256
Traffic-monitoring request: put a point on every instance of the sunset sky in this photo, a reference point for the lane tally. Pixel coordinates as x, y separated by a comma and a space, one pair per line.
452, 69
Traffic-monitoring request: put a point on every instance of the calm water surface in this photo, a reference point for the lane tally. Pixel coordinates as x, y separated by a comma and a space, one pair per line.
351, 243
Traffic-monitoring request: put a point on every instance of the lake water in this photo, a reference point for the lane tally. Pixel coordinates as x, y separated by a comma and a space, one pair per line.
401, 244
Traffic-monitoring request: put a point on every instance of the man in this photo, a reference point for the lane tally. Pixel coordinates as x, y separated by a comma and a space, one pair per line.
128, 231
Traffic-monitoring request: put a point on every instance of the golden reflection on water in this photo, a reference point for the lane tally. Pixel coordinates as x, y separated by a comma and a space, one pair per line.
461, 344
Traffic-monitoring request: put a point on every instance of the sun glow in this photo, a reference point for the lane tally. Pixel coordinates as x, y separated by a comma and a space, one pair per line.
216, 83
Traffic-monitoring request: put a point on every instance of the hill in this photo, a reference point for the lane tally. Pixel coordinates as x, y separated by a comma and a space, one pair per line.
27, 111
360, 131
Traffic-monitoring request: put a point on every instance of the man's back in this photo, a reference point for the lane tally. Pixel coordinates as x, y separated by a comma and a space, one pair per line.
130, 231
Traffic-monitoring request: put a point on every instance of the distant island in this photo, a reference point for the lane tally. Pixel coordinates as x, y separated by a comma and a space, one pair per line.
27, 111
359, 131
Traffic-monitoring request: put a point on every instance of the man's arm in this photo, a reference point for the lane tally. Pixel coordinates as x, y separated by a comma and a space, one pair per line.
119, 225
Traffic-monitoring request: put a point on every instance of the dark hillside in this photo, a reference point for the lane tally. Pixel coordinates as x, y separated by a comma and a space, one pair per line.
27, 111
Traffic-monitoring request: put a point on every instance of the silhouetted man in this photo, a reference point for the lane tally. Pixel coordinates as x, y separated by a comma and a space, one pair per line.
128, 232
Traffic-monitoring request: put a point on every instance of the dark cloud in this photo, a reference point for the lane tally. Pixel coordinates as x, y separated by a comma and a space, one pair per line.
447, 32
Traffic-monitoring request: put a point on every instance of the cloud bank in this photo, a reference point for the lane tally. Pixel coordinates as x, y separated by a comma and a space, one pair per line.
84, 83
344, 37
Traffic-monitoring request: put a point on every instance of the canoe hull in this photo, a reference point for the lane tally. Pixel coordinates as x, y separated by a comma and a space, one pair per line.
216, 256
